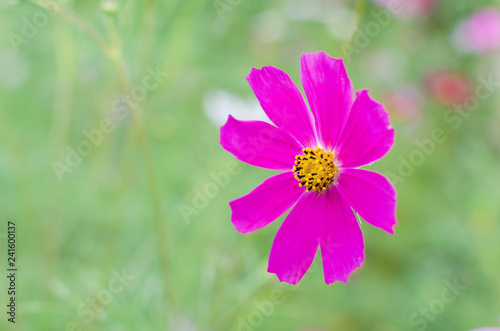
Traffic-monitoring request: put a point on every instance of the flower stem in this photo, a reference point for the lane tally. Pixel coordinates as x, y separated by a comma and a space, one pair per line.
359, 8
116, 57
76, 19
113, 51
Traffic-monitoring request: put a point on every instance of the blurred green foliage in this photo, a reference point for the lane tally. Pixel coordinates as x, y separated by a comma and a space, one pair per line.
73, 234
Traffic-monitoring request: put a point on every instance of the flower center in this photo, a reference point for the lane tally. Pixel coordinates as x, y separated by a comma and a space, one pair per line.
315, 169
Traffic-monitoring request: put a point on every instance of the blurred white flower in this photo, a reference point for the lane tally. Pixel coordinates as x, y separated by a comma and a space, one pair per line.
312, 10
219, 104
8, 3
109, 6
408, 8
340, 19
385, 64
269, 26
342, 22
182, 324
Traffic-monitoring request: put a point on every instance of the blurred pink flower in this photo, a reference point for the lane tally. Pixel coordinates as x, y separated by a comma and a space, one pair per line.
488, 328
479, 33
404, 103
408, 8
447, 87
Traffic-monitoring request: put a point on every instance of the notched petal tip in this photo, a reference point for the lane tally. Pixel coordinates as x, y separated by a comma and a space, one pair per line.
256, 73
230, 118
223, 131
363, 92
241, 225
366, 93
238, 223
343, 279
253, 72
284, 279
331, 278
321, 55
390, 230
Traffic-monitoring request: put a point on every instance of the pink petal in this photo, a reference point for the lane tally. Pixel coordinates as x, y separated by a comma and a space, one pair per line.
329, 92
259, 144
367, 135
296, 242
371, 195
283, 103
265, 203
341, 240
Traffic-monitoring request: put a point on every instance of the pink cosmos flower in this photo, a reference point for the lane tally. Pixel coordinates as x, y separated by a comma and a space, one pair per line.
479, 33
320, 152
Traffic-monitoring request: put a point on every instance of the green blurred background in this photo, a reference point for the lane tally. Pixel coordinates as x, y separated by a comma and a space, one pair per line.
126, 239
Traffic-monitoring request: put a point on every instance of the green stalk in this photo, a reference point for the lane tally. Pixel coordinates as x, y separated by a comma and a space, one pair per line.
113, 51
116, 57
359, 8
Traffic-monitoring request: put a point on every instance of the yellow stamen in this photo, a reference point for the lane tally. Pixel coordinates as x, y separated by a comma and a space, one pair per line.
315, 169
